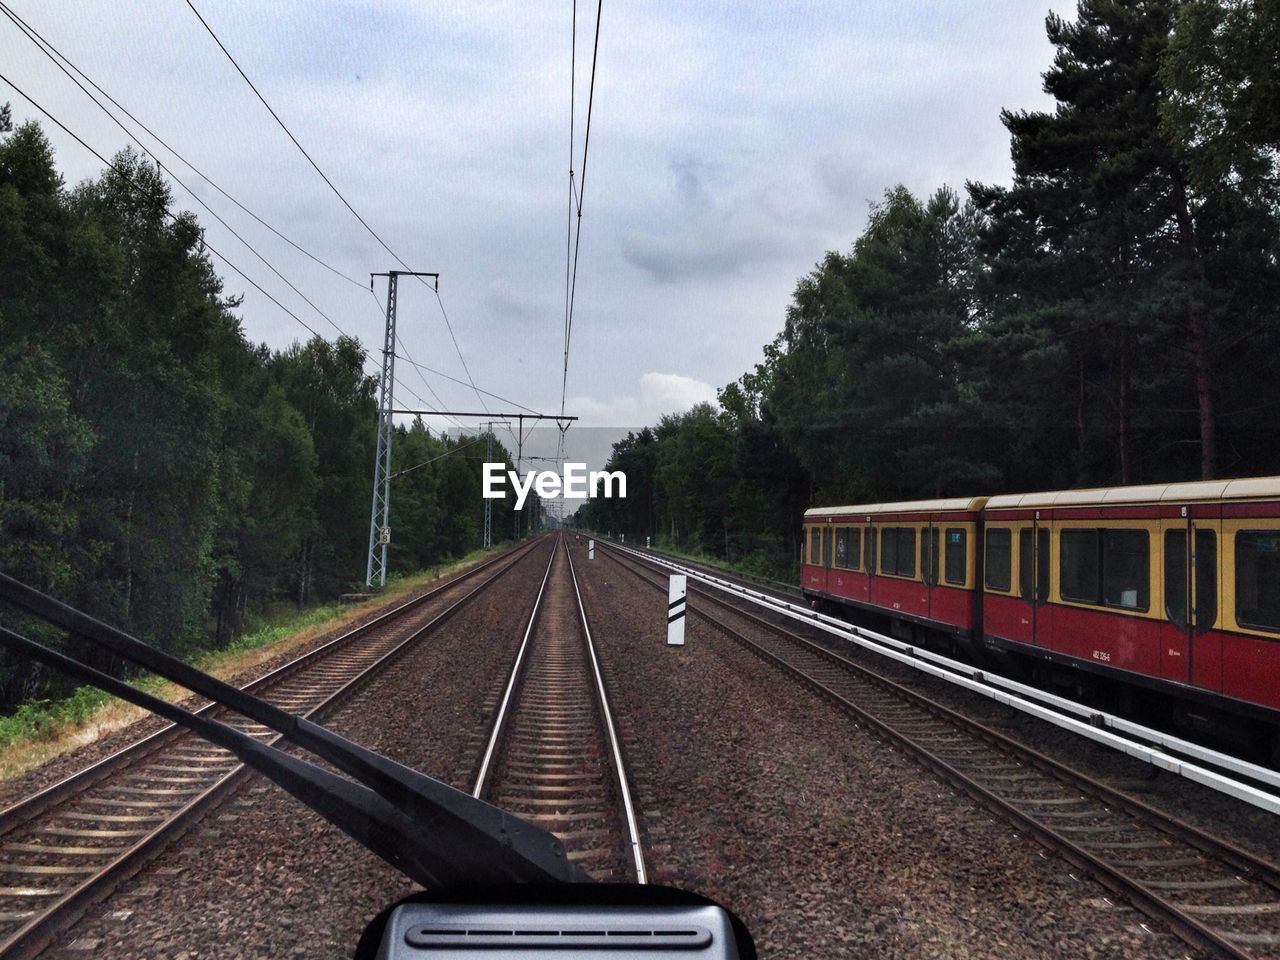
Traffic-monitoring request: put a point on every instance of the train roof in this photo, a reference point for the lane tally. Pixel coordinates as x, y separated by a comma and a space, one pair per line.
953, 504
1254, 488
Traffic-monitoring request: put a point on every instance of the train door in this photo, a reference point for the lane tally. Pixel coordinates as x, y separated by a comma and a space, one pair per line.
1043, 565
1189, 651
1175, 632
813, 578
870, 553
930, 544
1033, 579
827, 537
1206, 640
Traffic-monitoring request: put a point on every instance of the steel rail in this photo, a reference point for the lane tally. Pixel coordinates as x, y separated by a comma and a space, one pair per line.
29, 807
624, 788
1187, 927
500, 721
29, 939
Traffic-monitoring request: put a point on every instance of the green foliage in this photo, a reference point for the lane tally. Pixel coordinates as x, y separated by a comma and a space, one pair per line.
46, 719
157, 469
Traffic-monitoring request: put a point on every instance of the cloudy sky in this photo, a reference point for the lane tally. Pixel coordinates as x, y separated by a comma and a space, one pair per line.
732, 143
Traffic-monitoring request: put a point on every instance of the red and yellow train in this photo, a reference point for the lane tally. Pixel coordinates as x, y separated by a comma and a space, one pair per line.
1173, 587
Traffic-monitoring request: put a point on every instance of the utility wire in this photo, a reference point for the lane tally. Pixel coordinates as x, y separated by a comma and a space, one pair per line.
44, 43
448, 453
337, 193
287, 131
568, 229
163, 207
575, 200
41, 45
425, 382
494, 396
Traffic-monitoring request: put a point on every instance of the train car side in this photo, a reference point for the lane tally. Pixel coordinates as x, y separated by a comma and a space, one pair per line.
1172, 589
1177, 587
916, 563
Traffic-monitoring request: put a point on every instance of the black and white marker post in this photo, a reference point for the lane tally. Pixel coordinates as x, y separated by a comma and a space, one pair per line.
591, 549
675, 610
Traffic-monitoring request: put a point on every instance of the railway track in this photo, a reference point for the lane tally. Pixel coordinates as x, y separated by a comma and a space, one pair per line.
552, 754
1212, 894
71, 844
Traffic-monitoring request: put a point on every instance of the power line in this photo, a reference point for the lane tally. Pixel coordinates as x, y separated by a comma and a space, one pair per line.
575, 200
285, 128
338, 193
487, 393
39, 42
43, 43
447, 453
163, 207
568, 228
449, 326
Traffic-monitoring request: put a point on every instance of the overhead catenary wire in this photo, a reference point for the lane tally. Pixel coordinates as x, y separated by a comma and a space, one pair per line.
163, 207
576, 199
338, 193
176, 179
424, 463
446, 376
50, 50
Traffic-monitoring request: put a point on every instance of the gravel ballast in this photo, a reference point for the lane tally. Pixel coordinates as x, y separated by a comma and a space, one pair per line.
261, 876
826, 841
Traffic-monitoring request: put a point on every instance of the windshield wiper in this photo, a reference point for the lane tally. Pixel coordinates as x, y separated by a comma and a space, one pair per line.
435, 834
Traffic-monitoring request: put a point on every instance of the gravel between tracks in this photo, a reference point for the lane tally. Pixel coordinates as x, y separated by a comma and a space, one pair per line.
263, 877
826, 841
1232, 820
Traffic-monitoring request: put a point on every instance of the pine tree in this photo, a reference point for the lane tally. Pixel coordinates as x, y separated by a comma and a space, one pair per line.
1100, 247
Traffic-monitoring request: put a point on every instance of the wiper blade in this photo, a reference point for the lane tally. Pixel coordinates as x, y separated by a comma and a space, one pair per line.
437, 835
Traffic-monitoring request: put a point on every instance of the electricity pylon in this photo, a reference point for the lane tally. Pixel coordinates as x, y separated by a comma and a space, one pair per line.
380, 512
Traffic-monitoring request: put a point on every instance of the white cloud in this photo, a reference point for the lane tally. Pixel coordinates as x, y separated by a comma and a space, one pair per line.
674, 392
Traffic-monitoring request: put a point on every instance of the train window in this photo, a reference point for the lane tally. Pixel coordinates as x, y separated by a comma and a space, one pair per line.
929, 555
898, 551
870, 552
1258, 579
1206, 579
814, 546
826, 546
999, 558
1080, 572
1175, 577
855, 548
957, 560
906, 551
1126, 569
889, 550
842, 547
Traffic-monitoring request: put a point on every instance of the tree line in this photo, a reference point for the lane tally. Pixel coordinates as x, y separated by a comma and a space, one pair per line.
157, 468
1111, 316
